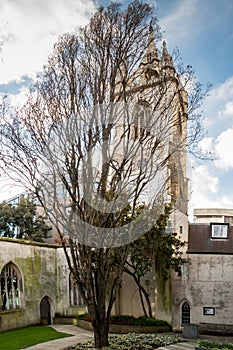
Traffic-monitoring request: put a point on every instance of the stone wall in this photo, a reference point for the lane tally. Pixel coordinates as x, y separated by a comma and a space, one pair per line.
209, 284
37, 264
45, 276
159, 290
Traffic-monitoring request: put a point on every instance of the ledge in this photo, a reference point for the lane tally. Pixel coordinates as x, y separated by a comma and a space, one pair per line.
215, 328
27, 242
114, 328
11, 311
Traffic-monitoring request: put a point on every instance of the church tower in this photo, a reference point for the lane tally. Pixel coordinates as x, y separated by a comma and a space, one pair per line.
157, 91
161, 112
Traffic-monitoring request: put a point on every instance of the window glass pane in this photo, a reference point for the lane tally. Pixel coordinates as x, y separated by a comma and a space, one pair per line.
185, 317
10, 291
219, 231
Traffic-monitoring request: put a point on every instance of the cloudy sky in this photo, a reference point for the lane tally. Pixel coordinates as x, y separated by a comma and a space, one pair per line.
201, 29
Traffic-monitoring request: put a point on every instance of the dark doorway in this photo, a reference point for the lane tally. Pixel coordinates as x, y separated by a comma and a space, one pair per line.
45, 311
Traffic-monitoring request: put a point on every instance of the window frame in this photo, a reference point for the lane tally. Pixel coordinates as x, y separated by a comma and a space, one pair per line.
185, 313
209, 311
221, 226
11, 288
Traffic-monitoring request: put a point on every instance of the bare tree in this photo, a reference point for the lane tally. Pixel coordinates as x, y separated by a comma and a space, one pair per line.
104, 129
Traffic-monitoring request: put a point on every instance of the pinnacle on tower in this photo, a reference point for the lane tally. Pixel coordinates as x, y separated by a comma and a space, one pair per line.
166, 59
151, 54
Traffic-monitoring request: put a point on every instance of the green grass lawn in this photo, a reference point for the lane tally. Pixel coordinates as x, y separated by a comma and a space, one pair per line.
25, 337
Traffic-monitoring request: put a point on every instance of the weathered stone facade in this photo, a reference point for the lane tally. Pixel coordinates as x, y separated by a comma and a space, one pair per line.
42, 284
209, 285
44, 290
206, 287
44, 287
160, 296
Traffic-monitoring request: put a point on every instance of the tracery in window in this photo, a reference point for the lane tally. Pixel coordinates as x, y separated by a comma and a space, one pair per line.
11, 287
142, 116
185, 313
75, 296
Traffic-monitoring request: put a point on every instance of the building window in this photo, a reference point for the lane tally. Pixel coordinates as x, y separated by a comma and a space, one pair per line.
149, 58
228, 219
185, 313
219, 230
75, 296
11, 287
142, 118
185, 269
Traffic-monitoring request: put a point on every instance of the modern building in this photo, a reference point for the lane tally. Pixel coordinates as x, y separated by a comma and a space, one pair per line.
207, 215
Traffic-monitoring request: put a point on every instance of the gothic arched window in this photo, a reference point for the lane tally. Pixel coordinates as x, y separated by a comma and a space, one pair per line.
11, 287
74, 294
142, 116
185, 313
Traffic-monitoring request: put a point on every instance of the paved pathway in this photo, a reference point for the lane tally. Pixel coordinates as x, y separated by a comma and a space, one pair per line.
80, 335
179, 346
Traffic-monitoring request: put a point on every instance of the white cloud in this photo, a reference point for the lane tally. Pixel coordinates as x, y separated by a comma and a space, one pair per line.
203, 186
208, 188
180, 18
206, 145
227, 110
207, 122
224, 91
223, 150
219, 148
218, 109
29, 29
18, 100
205, 191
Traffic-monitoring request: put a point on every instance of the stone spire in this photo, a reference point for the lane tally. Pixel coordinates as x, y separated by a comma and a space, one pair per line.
166, 59
151, 54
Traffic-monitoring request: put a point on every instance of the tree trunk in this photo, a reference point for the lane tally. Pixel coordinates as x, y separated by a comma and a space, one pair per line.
142, 293
142, 302
147, 297
101, 330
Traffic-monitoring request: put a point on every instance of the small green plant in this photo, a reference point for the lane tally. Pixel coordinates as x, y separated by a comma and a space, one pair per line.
133, 341
207, 344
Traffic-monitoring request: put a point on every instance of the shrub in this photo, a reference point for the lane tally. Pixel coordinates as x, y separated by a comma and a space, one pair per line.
85, 317
133, 341
122, 319
207, 344
129, 320
149, 321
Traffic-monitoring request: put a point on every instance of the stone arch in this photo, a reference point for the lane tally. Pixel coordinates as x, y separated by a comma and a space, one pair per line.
11, 287
45, 310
